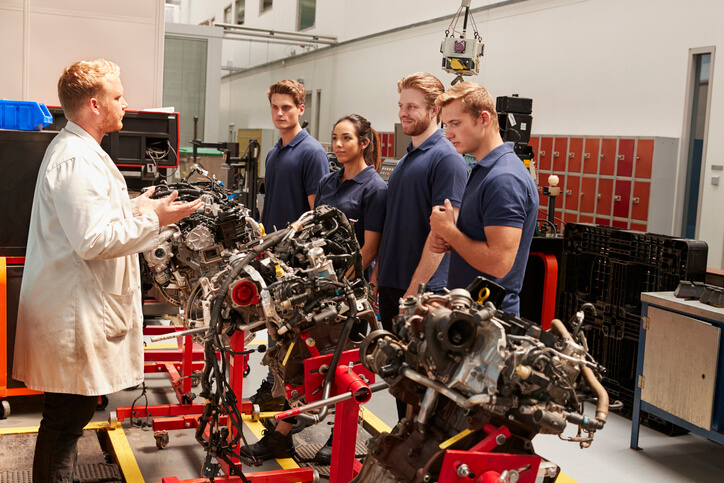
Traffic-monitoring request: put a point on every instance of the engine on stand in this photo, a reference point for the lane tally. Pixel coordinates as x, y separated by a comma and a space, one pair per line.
303, 284
477, 381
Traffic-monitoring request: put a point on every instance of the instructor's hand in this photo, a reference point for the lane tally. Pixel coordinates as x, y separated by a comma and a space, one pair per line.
170, 211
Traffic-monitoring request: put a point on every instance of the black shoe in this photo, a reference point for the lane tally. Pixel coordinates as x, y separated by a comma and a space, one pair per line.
273, 444
324, 455
265, 400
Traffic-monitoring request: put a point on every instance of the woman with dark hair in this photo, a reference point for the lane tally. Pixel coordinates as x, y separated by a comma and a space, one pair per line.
359, 192
357, 189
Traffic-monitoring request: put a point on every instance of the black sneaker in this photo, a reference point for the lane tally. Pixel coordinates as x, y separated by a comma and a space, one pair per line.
324, 455
273, 444
265, 400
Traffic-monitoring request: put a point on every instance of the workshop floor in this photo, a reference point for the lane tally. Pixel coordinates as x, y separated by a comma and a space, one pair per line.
685, 458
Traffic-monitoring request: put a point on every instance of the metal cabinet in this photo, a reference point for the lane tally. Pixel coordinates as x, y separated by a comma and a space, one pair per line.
680, 367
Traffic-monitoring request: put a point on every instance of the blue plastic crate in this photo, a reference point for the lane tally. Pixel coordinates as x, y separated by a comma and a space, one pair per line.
24, 115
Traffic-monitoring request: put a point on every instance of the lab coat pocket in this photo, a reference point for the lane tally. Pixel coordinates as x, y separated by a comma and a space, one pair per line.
117, 314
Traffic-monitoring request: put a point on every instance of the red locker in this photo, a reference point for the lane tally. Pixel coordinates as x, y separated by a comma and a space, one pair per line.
624, 160
619, 224
605, 196
590, 155
640, 201
575, 155
607, 158
638, 227
588, 194
545, 154
622, 198
572, 192
585, 218
644, 158
560, 150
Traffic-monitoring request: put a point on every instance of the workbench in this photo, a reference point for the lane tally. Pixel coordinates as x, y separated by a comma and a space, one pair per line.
680, 365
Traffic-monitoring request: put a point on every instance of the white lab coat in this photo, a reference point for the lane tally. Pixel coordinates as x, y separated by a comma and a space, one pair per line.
79, 327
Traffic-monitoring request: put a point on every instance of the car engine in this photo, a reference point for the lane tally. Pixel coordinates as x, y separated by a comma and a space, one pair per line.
465, 369
303, 284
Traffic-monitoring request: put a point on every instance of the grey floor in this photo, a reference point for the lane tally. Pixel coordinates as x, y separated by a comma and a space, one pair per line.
685, 458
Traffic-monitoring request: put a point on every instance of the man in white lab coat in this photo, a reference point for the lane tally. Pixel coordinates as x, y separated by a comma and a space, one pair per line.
79, 328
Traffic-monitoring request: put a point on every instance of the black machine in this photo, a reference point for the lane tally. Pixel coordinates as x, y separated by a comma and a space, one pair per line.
243, 175
515, 120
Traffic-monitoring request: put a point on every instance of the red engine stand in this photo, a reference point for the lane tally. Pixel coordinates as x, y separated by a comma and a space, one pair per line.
479, 465
347, 378
169, 417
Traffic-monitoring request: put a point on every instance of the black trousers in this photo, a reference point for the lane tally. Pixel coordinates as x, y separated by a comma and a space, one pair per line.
389, 308
64, 416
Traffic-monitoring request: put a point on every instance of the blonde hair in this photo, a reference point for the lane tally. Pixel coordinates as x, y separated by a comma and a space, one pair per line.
428, 84
475, 99
82, 81
289, 87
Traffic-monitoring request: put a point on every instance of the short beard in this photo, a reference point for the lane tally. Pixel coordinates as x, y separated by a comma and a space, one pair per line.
418, 128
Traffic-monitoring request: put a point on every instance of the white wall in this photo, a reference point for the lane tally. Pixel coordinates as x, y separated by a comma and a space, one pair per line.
38, 38
592, 67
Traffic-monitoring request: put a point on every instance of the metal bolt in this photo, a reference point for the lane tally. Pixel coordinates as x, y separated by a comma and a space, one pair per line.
463, 470
187, 424
500, 439
295, 393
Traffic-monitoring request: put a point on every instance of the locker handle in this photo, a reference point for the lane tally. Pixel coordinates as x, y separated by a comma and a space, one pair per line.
635, 200
569, 192
556, 154
586, 155
620, 157
601, 156
570, 155
617, 198
540, 188
599, 196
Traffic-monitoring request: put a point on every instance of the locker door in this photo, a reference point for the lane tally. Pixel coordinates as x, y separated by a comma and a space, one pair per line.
640, 201
572, 193
588, 194
560, 148
545, 154
559, 198
575, 154
622, 198
605, 196
590, 155
624, 160
607, 158
644, 158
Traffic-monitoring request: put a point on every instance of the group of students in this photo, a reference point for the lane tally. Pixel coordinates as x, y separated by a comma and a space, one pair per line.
79, 327
433, 223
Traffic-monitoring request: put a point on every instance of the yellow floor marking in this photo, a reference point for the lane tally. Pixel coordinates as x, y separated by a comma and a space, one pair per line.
374, 422
564, 478
256, 427
124, 455
34, 429
161, 346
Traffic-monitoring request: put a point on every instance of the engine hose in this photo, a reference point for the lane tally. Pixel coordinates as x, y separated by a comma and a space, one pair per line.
329, 379
588, 375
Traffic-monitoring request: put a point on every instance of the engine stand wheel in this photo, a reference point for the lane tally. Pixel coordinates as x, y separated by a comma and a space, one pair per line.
161, 439
4, 409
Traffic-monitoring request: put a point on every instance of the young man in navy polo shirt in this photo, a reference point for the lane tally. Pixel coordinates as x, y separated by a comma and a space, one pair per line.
427, 175
497, 217
294, 167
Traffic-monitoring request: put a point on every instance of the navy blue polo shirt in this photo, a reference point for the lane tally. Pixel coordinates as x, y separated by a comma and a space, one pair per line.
292, 174
362, 198
424, 177
500, 192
